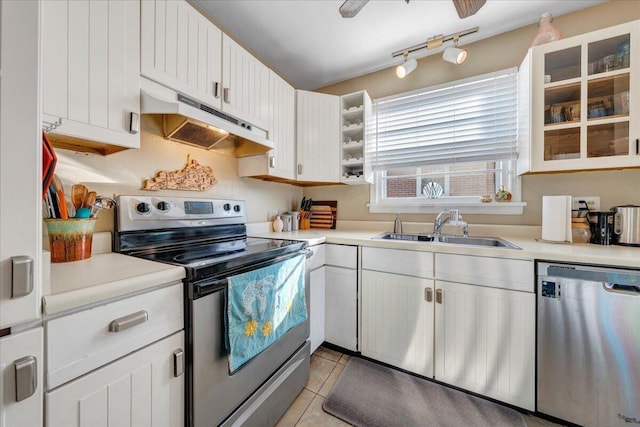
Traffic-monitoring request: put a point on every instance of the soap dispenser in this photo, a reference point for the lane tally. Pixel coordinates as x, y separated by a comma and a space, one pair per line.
397, 225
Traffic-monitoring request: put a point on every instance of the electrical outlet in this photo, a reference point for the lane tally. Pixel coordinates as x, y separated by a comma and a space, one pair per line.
593, 202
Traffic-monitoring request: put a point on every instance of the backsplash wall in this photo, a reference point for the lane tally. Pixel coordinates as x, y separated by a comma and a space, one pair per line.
124, 173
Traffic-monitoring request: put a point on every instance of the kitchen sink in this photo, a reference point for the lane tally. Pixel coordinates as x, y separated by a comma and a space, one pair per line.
494, 242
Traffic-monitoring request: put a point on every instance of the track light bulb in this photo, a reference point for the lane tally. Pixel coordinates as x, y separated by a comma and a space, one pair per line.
455, 55
406, 67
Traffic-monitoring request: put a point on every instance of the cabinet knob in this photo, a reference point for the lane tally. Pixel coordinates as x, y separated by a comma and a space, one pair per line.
134, 123
21, 276
26, 370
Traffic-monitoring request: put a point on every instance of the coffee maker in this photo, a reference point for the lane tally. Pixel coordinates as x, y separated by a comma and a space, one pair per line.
601, 224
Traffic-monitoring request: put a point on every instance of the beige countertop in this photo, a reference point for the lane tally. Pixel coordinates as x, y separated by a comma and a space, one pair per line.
107, 276
103, 277
612, 255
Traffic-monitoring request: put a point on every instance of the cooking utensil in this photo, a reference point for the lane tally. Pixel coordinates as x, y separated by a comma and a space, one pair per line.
62, 203
102, 203
90, 199
78, 195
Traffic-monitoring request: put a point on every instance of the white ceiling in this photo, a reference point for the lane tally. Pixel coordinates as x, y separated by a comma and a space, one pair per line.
309, 44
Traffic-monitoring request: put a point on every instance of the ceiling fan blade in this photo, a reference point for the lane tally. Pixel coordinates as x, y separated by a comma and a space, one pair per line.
350, 8
466, 8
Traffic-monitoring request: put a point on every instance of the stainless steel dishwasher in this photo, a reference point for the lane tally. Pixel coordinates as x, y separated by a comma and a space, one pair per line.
589, 344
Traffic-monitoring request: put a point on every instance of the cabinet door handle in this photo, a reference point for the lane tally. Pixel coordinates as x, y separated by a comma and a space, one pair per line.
272, 162
637, 146
21, 276
128, 321
178, 362
439, 296
225, 95
299, 169
134, 123
216, 90
428, 294
26, 370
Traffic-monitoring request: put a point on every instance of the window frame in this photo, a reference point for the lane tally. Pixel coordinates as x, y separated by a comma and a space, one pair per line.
466, 204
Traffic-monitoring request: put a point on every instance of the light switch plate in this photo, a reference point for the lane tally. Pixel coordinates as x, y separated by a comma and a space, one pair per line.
593, 202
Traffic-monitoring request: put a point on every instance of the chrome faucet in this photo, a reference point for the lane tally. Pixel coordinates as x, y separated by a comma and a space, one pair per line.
453, 218
440, 221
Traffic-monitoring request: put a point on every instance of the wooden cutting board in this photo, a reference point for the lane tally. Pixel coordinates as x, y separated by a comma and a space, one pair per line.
324, 214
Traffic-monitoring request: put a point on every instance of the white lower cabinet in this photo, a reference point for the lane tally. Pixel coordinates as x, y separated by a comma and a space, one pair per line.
21, 364
397, 320
145, 388
317, 297
341, 296
341, 307
485, 341
316, 311
478, 335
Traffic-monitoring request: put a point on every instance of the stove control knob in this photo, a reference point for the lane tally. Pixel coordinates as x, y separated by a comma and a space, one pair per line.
163, 206
236, 208
143, 208
227, 207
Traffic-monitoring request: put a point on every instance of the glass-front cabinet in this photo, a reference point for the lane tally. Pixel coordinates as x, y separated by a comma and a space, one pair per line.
586, 107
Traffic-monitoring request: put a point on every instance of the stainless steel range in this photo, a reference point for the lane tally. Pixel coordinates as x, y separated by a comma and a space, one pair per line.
208, 238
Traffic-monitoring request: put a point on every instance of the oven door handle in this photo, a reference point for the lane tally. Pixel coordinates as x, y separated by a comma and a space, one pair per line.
208, 286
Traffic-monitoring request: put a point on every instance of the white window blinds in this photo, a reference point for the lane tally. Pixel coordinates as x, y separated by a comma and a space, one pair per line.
469, 120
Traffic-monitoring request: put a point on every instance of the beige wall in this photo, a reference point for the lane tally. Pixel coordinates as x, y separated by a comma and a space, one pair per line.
124, 173
496, 53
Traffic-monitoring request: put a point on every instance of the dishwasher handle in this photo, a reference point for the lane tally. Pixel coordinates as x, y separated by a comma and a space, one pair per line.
621, 289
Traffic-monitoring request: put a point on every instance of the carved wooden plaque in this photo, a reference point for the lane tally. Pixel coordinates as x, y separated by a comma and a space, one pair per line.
192, 177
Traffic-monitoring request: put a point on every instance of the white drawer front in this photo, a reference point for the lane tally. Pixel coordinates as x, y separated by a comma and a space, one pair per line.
318, 258
341, 256
515, 274
81, 342
398, 261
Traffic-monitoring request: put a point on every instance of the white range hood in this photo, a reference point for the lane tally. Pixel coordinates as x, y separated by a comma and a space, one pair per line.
187, 120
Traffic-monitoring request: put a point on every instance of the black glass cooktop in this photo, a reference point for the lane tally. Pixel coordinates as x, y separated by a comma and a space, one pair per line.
211, 260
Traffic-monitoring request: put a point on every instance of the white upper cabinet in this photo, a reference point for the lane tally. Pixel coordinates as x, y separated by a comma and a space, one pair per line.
586, 101
318, 135
91, 70
20, 164
246, 85
181, 49
184, 51
281, 161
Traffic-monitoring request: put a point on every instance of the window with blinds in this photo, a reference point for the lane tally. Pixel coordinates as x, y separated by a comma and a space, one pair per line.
457, 140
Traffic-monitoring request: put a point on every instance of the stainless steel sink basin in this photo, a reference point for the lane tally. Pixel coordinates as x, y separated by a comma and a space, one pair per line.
494, 242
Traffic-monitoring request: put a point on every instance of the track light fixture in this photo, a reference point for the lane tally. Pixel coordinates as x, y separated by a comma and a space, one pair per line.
406, 67
453, 54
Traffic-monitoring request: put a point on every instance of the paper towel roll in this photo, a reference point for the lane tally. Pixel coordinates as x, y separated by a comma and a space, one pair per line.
556, 218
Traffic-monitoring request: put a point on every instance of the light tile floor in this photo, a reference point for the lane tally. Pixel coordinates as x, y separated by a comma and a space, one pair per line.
326, 367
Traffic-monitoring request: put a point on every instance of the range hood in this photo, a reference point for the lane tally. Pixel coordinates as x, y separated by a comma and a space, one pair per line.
188, 121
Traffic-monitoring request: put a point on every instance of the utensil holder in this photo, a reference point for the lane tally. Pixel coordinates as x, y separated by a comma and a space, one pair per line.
305, 221
70, 239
